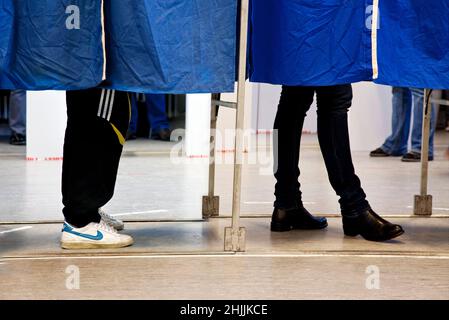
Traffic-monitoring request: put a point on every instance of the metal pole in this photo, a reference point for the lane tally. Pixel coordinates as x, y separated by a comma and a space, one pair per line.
423, 202
235, 235
211, 202
213, 127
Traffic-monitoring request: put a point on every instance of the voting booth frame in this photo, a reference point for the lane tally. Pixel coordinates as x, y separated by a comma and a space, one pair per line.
235, 235
423, 201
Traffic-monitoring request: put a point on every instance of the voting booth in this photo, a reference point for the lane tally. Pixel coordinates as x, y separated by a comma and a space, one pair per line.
178, 46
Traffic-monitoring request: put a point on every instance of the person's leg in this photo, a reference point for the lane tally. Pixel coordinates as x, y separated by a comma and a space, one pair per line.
447, 113
396, 143
418, 107
333, 134
4, 101
293, 106
132, 131
17, 117
157, 116
96, 127
289, 212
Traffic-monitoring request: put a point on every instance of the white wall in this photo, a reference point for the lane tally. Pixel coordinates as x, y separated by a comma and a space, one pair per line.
227, 117
197, 131
369, 118
46, 123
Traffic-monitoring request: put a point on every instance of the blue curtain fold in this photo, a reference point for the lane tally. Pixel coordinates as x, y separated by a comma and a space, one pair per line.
153, 46
310, 42
328, 42
413, 45
187, 46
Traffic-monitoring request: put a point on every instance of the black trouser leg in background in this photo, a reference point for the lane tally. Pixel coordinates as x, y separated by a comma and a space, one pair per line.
97, 123
333, 104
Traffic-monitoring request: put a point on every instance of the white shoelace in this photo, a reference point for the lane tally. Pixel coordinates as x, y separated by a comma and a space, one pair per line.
104, 226
106, 215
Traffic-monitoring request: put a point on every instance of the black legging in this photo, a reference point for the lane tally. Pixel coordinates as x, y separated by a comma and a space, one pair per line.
333, 103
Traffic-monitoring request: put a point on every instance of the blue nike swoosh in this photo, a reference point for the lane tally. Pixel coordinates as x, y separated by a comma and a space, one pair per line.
98, 237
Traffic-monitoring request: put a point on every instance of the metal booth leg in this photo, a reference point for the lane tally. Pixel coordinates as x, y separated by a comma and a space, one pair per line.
211, 202
423, 202
235, 236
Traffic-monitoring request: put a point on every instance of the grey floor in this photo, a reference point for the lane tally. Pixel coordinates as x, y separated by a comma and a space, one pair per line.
151, 185
185, 260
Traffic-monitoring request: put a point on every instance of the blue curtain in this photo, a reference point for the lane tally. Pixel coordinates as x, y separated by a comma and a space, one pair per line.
153, 46
413, 43
39, 52
310, 42
328, 42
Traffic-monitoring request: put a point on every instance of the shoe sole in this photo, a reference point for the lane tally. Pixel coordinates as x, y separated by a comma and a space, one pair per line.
413, 160
379, 155
90, 245
120, 228
280, 227
376, 240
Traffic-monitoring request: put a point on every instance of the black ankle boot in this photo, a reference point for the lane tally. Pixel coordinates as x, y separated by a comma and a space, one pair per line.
296, 218
371, 227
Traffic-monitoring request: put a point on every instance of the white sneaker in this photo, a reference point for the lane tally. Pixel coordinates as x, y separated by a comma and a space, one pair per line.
112, 221
93, 236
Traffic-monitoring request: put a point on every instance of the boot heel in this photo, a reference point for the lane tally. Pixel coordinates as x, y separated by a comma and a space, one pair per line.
280, 227
350, 232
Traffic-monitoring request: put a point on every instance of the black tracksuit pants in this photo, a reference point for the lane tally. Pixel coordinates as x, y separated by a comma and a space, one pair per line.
333, 103
98, 120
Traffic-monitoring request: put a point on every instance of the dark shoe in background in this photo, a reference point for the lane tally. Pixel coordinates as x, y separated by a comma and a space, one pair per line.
163, 135
17, 139
371, 227
413, 156
379, 152
131, 136
296, 218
